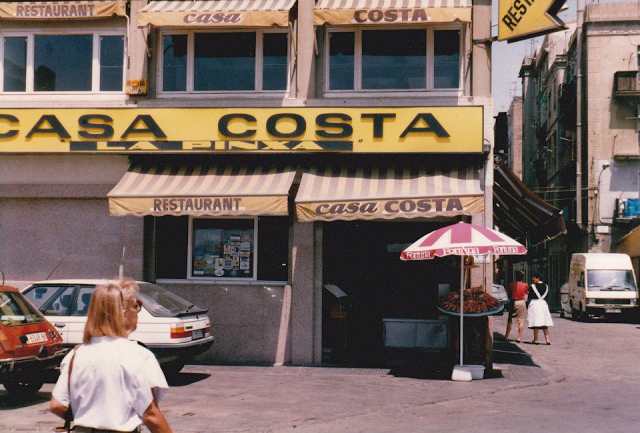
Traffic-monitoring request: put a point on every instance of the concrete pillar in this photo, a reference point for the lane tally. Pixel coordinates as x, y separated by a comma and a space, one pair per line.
305, 61
481, 49
138, 59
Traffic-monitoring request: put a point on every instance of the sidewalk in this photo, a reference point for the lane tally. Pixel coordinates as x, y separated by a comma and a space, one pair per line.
274, 399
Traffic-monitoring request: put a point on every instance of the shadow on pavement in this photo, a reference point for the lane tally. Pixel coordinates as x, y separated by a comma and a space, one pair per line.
183, 379
8, 402
510, 352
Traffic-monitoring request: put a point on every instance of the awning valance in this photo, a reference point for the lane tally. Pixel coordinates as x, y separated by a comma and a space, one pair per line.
381, 12
343, 193
63, 10
520, 213
202, 191
237, 13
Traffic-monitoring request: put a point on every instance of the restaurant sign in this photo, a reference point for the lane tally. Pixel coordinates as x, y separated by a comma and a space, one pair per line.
238, 130
61, 10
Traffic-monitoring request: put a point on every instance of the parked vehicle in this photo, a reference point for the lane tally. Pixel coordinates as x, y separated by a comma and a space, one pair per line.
564, 300
29, 344
174, 329
602, 284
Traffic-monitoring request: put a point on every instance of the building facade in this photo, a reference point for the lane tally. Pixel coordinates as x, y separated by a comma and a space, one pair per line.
247, 155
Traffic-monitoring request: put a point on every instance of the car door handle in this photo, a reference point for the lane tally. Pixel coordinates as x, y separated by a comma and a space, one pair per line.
60, 325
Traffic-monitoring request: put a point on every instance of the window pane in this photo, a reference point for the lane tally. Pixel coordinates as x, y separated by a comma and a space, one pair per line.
446, 61
223, 248
63, 63
394, 59
274, 62
225, 61
111, 62
172, 248
273, 248
341, 60
174, 66
15, 64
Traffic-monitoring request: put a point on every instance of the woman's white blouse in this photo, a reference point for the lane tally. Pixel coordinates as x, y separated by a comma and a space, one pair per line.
111, 383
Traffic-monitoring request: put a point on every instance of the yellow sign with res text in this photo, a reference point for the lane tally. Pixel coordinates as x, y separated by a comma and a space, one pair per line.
237, 130
522, 19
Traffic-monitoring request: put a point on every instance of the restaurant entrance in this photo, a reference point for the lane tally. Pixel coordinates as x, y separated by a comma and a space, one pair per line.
362, 259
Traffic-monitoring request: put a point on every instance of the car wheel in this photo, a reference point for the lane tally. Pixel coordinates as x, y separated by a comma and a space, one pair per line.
22, 387
172, 369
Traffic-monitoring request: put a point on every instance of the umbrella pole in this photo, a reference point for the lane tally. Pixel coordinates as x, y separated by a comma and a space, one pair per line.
461, 308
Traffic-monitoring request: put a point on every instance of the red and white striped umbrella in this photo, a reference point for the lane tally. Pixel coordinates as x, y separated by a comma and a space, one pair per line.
462, 239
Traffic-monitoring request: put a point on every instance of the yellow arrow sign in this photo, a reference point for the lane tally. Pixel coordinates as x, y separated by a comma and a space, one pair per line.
521, 19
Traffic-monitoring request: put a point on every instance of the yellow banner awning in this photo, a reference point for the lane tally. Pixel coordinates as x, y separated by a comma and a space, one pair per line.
63, 10
393, 12
202, 191
388, 193
241, 13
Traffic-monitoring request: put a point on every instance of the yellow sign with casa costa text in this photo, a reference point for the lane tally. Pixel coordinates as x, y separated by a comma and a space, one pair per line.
236, 130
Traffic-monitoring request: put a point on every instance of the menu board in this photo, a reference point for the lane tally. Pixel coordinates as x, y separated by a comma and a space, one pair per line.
225, 251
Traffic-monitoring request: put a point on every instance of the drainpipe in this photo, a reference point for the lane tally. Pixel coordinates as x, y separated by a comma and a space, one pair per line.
579, 23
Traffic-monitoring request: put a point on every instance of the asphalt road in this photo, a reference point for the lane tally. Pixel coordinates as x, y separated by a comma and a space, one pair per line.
586, 381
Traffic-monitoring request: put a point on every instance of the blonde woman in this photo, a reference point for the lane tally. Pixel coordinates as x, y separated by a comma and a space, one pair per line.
115, 384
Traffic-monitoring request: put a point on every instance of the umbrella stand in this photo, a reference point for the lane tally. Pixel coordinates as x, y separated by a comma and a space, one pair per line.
461, 372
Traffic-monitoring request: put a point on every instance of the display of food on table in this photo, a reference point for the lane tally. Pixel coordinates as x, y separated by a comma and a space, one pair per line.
476, 300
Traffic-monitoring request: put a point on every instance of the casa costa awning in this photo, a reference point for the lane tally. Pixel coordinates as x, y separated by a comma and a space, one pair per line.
237, 13
202, 191
371, 193
390, 12
63, 10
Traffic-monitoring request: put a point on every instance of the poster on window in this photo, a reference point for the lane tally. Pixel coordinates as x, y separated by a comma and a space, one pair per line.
223, 248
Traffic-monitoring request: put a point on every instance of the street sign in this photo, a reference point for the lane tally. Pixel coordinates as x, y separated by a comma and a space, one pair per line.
523, 19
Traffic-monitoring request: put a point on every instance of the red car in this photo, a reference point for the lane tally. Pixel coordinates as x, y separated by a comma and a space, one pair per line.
29, 345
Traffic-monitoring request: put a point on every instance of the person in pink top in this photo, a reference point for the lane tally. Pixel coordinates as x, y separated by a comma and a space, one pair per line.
518, 307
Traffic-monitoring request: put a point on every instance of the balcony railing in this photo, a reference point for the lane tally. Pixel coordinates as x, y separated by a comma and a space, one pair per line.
625, 83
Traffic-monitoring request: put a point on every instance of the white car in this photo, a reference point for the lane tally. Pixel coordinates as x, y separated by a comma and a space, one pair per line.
174, 329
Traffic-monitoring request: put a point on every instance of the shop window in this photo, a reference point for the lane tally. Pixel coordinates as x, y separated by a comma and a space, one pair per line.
39, 63
222, 248
398, 59
197, 62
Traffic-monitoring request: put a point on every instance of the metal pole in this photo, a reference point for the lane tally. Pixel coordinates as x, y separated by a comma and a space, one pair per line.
461, 308
579, 23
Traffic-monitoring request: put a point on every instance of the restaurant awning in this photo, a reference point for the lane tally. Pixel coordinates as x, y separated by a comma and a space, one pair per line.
63, 10
240, 13
343, 193
202, 191
390, 12
520, 213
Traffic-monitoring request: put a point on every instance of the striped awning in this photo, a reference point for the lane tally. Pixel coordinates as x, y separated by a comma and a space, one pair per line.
388, 193
202, 191
218, 13
390, 12
62, 10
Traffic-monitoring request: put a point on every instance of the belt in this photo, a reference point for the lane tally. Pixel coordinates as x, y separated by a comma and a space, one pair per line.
81, 429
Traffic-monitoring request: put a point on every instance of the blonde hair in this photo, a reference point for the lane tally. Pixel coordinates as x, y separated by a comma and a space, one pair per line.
106, 309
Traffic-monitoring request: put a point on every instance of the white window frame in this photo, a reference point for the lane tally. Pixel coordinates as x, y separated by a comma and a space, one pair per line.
254, 276
95, 68
428, 91
191, 64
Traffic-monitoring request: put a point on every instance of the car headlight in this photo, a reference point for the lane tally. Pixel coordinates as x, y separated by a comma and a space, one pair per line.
591, 301
633, 302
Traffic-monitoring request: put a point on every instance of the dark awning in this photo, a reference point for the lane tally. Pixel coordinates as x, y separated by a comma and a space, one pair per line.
520, 213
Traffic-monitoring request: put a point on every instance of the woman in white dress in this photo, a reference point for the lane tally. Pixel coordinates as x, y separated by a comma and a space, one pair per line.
538, 315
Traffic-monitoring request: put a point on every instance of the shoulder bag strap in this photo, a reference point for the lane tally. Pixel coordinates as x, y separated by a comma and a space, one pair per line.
69, 415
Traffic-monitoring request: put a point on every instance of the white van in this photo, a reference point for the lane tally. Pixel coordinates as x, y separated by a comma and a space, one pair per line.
602, 284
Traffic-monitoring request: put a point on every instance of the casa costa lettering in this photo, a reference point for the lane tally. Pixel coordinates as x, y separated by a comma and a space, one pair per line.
209, 18
425, 205
197, 204
55, 10
390, 15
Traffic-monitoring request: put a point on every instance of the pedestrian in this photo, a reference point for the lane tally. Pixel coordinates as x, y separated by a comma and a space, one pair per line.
111, 383
518, 306
539, 316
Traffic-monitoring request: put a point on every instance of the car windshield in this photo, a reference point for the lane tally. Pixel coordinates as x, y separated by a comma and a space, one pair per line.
15, 311
610, 280
161, 302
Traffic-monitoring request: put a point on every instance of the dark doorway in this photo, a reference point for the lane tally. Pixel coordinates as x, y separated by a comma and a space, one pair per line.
363, 259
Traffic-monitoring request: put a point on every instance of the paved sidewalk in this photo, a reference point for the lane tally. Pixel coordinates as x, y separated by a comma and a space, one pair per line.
281, 398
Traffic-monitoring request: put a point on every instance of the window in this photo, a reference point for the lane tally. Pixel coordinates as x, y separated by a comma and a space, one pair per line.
225, 62
222, 248
397, 59
42, 63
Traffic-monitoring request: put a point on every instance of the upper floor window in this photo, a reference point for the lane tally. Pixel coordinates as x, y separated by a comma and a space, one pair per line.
47, 63
239, 61
406, 59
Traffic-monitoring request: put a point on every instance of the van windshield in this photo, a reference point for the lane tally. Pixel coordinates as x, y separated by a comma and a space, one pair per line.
610, 280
